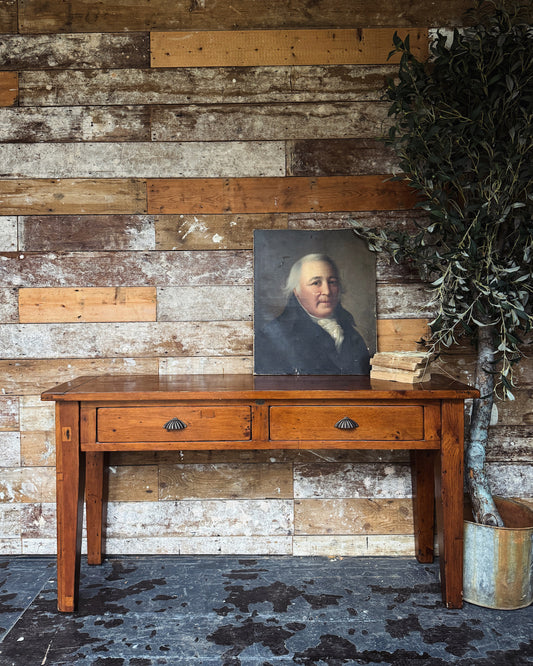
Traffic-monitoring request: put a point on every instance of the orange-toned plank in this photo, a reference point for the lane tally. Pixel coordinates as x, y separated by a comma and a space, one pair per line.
9, 88
70, 196
66, 304
277, 195
251, 48
401, 334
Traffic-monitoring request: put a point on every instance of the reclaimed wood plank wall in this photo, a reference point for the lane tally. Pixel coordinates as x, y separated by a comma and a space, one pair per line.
141, 143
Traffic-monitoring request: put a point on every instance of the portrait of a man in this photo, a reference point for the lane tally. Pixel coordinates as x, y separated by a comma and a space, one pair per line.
301, 324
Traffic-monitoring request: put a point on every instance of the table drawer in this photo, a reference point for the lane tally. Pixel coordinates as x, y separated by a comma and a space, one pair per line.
147, 424
373, 423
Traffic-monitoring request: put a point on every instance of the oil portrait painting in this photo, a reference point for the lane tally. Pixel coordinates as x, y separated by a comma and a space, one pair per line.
314, 303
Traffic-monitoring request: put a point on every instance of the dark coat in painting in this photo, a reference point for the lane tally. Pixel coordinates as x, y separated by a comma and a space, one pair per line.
293, 344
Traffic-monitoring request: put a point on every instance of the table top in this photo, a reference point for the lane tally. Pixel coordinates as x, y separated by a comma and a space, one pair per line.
266, 387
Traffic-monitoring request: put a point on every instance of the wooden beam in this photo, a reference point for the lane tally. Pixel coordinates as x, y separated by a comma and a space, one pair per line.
250, 48
70, 196
97, 304
277, 195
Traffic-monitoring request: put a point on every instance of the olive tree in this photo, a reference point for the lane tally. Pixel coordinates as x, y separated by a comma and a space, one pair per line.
462, 128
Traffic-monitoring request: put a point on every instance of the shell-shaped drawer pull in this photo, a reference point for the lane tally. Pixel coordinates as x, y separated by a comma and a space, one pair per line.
346, 424
175, 424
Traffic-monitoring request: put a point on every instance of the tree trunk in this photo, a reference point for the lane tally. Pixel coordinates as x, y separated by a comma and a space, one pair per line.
483, 506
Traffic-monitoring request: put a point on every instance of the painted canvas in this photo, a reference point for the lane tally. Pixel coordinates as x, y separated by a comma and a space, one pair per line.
314, 303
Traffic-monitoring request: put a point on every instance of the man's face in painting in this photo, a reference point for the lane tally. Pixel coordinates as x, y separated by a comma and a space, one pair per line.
318, 290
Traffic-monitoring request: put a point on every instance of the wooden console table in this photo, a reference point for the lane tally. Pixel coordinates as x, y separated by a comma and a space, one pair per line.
153, 413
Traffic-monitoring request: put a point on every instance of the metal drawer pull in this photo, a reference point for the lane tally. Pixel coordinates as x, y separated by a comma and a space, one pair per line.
175, 424
346, 424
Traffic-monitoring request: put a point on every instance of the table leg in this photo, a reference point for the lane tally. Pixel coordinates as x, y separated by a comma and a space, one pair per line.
94, 494
70, 476
449, 495
422, 466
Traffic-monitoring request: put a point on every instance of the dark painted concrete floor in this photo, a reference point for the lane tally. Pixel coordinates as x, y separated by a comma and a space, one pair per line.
229, 610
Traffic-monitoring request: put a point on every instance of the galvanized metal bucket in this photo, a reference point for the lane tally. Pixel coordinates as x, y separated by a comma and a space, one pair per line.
498, 561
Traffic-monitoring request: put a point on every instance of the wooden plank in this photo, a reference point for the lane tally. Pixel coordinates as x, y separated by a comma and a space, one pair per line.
200, 518
75, 124
333, 157
8, 233
8, 306
127, 269
9, 88
72, 196
229, 122
212, 303
78, 304
81, 51
353, 516
249, 48
328, 480
26, 377
197, 85
209, 232
8, 16
39, 341
36, 16
272, 195
408, 301
401, 334
10, 450
133, 483
210, 365
332, 545
86, 233
38, 448
255, 481
145, 159
27, 484
9, 412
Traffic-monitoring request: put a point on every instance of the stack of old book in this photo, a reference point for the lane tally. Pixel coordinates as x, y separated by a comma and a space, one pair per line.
409, 367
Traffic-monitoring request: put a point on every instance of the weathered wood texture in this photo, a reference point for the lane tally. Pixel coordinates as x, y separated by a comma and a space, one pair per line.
8, 88
272, 195
130, 187
250, 48
82, 51
83, 16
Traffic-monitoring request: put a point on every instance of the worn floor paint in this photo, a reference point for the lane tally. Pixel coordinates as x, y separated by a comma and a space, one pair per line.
233, 611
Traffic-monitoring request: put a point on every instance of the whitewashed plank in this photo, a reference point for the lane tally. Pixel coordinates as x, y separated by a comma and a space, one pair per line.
273, 122
91, 50
216, 303
143, 159
74, 123
257, 545
9, 311
336, 545
199, 518
10, 449
27, 484
10, 520
10, 547
8, 233
511, 480
210, 85
36, 414
126, 269
210, 365
9, 412
90, 340
409, 301
352, 480
26, 377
